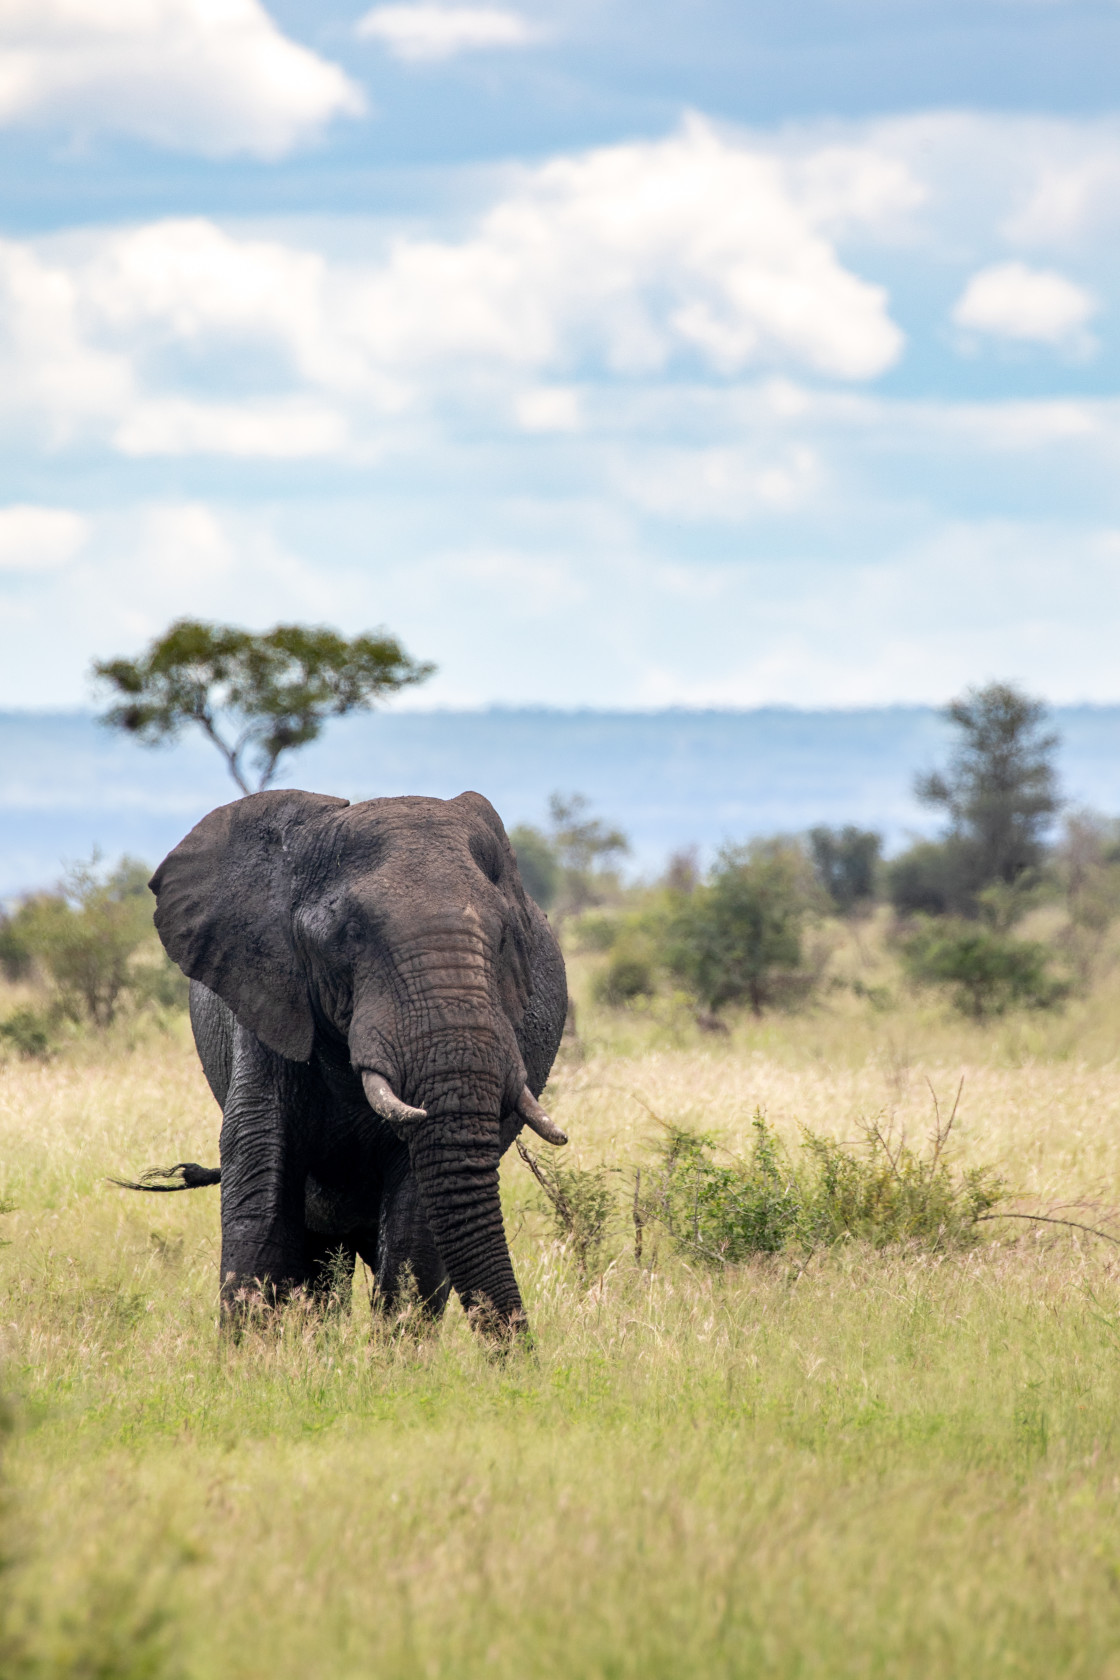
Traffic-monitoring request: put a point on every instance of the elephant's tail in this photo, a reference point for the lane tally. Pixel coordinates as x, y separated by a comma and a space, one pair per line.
189, 1174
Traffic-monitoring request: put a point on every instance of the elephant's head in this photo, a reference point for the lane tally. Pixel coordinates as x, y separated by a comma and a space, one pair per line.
399, 927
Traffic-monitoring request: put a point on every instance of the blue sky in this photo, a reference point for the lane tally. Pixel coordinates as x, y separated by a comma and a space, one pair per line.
614, 355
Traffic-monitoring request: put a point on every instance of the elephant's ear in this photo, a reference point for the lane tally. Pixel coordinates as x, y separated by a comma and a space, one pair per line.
224, 903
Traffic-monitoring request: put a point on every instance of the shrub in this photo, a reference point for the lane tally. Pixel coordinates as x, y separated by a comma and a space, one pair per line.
723, 1211
1088, 870
881, 1191
682, 873
932, 878
634, 959
630, 974
32, 1033
159, 982
16, 960
88, 939
988, 971
580, 1202
571, 868
87, 935
738, 937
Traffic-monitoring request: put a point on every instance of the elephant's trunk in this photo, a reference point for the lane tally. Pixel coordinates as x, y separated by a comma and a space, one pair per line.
457, 1069
456, 1167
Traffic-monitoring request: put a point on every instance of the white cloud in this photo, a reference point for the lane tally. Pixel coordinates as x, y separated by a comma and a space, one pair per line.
1064, 201
721, 483
637, 380
423, 33
278, 431
644, 253
53, 380
207, 76
632, 256
536, 586
1011, 300
845, 187
699, 251
137, 568
39, 539
548, 408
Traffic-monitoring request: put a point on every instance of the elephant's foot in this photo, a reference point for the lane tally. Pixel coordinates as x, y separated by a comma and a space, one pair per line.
502, 1328
249, 1304
406, 1303
260, 1305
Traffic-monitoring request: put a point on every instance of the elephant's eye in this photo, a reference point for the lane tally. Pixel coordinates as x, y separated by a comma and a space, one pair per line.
351, 931
487, 857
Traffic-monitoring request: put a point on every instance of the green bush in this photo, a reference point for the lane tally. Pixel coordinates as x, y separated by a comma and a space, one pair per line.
635, 954
932, 878
580, 1202
94, 941
989, 972
87, 935
738, 937
572, 867
881, 1191
159, 982
16, 960
630, 974
32, 1033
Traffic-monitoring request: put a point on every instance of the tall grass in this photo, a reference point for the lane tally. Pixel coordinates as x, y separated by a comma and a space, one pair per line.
846, 1461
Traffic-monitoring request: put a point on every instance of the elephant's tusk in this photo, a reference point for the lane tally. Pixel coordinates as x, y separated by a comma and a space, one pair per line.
384, 1101
535, 1117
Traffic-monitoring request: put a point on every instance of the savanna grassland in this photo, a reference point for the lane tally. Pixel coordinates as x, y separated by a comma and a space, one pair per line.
845, 1462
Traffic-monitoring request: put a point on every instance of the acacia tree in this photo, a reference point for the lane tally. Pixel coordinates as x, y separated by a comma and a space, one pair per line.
256, 696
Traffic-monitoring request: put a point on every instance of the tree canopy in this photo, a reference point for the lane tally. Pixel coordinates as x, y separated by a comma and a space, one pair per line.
257, 696
846, 862
1001, 789
584, 847
1000, 795
86, 937
730, 938
569, 866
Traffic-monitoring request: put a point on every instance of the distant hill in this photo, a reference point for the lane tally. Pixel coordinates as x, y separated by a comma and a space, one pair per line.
670, 778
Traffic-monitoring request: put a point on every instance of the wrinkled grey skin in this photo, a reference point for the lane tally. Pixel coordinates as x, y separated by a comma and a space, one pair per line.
323, 940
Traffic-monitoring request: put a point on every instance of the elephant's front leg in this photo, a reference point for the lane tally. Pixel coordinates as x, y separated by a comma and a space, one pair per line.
265, 1130
404, 1245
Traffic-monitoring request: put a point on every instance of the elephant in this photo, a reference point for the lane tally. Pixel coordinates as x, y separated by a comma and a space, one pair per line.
377, 1004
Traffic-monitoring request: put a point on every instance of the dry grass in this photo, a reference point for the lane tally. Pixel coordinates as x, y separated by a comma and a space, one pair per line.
869, 1464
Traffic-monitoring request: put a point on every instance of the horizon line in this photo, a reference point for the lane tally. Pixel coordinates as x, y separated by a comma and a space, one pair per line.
678, 708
